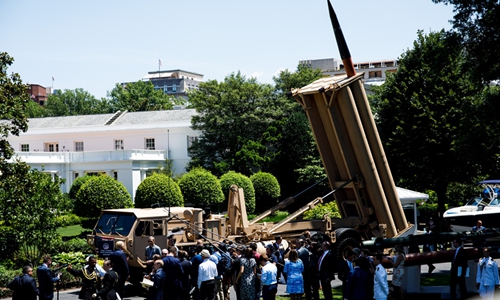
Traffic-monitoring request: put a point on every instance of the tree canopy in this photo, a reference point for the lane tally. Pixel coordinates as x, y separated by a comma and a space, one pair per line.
427, 116
139, 96
478, 25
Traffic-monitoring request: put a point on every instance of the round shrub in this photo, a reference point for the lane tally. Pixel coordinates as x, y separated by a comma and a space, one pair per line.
267, 190
77, 184
200, 187
242, 181
158, 188
101, 192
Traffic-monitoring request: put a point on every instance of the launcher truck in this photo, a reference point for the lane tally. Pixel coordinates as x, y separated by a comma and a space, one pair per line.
355, 164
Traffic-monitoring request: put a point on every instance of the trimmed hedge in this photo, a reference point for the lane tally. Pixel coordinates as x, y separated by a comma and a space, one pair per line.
200, 187
158, 188
267, 190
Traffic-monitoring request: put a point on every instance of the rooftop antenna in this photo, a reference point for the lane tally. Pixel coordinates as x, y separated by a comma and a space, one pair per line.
345, 55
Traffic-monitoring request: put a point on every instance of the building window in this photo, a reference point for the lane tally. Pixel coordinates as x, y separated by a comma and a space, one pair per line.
25, 147
165, 88
51, 147
150, 144
174, 88
79, 146
118, 144
190, 140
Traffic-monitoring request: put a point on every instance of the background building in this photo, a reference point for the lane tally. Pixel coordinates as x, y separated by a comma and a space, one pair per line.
174, 82
127, 146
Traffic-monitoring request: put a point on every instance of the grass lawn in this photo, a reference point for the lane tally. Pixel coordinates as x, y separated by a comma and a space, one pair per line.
70, 231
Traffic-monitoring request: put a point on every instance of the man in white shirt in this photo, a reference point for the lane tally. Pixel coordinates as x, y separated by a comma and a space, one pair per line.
380, 285
487, 275
268, 278
207, 271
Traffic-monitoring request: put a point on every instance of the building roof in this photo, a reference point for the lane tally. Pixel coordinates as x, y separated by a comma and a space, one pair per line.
142, 117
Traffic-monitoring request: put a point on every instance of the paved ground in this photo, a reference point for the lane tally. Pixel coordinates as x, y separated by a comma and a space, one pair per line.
442, 268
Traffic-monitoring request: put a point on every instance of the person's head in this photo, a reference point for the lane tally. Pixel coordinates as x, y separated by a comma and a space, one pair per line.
306, 234
479, 223
47, 260
293, 255
156, 256
92, 260
457, 243
365, 252
357, 252
151, 241
248, 252
263, 259
164, 252
325, 246
172, 241
278, 239
253, 246
107, 265
269, 249
172, 251
181, 254
120, 245
350, 255
158, 264
377, 259
205, 254
486, 251
300, 243
199, 248
28, 270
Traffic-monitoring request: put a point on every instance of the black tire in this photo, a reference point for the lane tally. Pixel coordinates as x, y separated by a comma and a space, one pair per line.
320, 237
345, 245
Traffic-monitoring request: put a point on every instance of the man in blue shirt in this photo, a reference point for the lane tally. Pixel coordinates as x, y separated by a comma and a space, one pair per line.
268, 278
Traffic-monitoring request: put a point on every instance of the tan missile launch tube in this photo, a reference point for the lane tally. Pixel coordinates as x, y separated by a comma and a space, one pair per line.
364, 156
378, 153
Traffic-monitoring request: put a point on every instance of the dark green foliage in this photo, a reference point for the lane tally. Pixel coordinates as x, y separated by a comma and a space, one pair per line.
75, 102
139, 96
478, 25
200, 187
427, 118
101, 192
242, 181
158, 188
267, 190
77, 184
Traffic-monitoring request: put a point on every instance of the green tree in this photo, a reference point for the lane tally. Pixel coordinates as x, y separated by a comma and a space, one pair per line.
242, 181
76, 102
200, 187
77, 184
478, 25
267, 190
101, 192
425, 112
297, 163
139, 96
158, 188
35, 110
237, 119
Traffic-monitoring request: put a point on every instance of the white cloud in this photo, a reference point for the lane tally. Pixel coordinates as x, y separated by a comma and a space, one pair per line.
256, 74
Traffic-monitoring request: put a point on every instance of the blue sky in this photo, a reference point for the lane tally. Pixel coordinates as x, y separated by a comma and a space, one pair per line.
95, 44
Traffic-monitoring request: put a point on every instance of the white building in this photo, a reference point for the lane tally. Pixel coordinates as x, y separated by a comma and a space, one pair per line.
124, 145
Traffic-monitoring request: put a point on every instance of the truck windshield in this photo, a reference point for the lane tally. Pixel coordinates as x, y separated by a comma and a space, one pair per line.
110, 223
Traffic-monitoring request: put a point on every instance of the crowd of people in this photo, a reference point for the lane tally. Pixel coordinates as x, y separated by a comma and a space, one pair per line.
211, 272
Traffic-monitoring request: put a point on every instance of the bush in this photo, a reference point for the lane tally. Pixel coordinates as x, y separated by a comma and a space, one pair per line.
242, 181
200, 188
267, 190
101, 192
72, 246
320, 210
77, 184
158, 188
68, 220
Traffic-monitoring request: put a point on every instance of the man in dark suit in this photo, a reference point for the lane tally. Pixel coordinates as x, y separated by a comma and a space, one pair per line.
326, 270
458, 270
120, 265
24, 286
345, 267
173, 276
108, 292
46, 279
305, 257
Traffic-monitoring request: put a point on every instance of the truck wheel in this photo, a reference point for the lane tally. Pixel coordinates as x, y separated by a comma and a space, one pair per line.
345, 245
